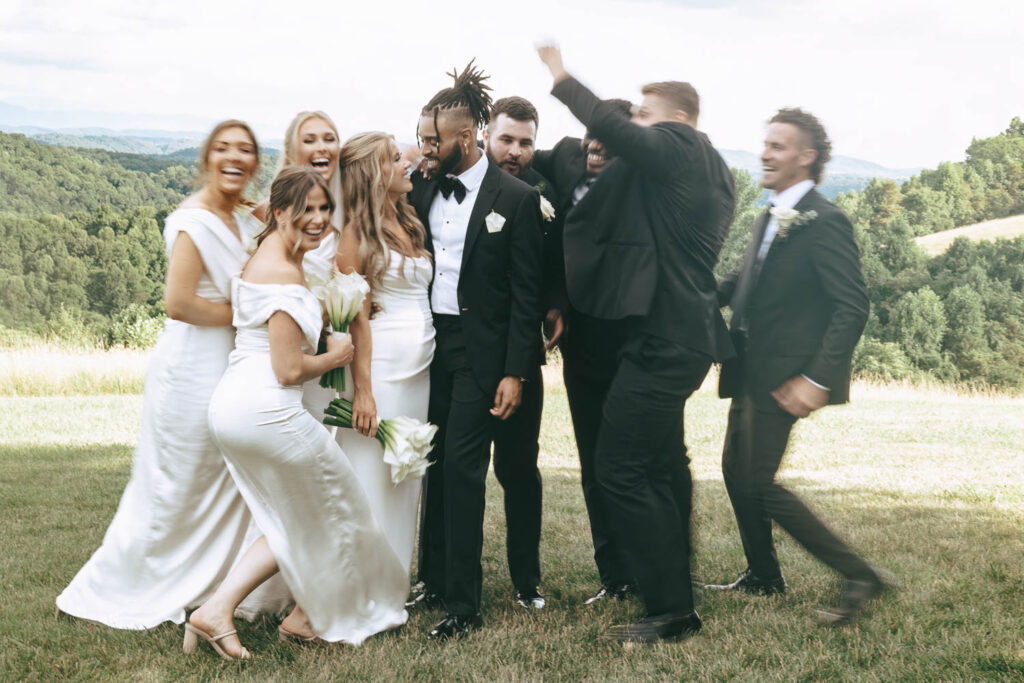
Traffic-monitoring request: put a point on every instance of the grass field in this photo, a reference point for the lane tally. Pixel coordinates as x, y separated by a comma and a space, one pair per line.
938, 242
927, 484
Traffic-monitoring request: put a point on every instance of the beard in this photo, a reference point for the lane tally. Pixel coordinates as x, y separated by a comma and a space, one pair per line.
514, 168
449, 163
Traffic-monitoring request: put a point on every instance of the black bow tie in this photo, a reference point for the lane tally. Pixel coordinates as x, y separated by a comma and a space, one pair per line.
449, 184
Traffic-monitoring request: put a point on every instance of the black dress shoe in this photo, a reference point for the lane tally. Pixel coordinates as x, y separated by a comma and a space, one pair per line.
453, 626
856, 595
668, 627
749, 583
531, 599
422, 597
620, 592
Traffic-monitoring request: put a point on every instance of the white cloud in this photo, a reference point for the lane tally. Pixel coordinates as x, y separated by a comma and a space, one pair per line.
901, 83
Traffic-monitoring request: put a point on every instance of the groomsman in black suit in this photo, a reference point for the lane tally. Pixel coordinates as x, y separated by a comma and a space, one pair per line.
509, 142
589, 345
799, 306
640, 249
483, 229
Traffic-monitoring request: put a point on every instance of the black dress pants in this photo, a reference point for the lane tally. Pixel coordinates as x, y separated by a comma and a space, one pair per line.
452, 513
755, 441
642, 468
589, 356
516, 447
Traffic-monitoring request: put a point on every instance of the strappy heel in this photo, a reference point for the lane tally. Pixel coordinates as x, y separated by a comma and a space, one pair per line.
193, 634
286, 636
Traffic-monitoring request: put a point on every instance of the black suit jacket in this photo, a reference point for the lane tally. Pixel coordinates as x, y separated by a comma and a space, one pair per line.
645, 238
806, 309
565, 166
500, 277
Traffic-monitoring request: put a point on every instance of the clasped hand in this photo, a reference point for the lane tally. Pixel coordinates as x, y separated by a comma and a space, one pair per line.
800, 397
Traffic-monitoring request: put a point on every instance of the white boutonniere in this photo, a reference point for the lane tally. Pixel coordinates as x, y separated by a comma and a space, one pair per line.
788, 219
546, 210
494, 222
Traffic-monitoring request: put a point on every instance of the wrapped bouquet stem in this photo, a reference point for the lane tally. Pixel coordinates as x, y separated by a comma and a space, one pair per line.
406, 441
342, 296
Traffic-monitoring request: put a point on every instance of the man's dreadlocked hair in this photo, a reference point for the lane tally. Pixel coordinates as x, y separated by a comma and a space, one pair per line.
468, 93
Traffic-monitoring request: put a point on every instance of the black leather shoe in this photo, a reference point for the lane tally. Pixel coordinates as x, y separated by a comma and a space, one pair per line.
668, 627
531, 599
749, 583
856, 595
453, 626
620, 592
422, 597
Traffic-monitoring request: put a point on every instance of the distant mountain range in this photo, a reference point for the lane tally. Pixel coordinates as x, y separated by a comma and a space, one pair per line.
843, 173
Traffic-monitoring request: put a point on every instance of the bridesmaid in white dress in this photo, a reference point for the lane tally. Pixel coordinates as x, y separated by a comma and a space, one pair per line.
384, 240
181, 521
311, 139
317, 525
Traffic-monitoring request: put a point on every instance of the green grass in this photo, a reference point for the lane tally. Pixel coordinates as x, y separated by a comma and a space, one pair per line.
925, 483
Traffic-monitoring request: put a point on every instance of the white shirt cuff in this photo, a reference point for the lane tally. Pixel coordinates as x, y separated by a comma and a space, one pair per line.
820, 386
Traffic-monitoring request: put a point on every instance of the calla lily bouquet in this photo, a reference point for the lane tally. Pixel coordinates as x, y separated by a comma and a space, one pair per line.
342, 296
406, 441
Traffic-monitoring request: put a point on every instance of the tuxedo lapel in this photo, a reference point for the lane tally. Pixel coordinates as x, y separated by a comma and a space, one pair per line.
421, 201
749, 273
805, 204
485, 199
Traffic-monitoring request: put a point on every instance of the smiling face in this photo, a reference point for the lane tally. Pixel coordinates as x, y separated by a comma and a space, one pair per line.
399, 166
598, 157
231, 161
318, 147
305, 230
510, 144
786, 159
442, 146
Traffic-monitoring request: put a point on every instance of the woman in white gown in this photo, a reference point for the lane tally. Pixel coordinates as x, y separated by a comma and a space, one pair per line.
181, 521
317, 525
384, 240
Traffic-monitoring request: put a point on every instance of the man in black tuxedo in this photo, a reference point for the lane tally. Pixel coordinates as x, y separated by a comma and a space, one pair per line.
640, 249
483, 229
589, 345
799, 306
509, 142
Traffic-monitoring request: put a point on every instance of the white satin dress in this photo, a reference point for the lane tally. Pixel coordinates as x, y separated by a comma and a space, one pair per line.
302, 492
403, 346
181, 522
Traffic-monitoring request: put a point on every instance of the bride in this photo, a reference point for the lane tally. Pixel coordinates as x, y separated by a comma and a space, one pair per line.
319, 531
384, 241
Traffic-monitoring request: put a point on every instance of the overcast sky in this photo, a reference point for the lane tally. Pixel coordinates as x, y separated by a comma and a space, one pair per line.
900, 82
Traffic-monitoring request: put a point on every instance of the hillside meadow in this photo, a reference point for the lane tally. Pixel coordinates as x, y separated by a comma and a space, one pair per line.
925, 481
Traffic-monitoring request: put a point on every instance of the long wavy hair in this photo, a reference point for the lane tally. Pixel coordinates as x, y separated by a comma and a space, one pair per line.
366, 173
289, 193
204, 156
289, 157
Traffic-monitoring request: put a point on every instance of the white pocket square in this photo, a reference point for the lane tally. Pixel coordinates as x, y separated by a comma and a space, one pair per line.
494, 222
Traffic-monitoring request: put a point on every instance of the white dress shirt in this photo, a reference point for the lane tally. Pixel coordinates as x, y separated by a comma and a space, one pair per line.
786, 199
449, 221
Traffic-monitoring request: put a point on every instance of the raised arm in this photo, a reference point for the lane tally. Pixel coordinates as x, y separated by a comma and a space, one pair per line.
655, 149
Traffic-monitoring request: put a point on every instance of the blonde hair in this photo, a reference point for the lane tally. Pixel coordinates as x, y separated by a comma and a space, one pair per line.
204, 154
291, 150
364, 191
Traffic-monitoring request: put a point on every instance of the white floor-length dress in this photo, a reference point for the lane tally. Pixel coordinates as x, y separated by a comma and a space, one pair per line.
403, 345
298, 483
181, 521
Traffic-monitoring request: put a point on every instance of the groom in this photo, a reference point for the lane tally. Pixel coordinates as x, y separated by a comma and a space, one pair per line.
799, 306
483, 229
640, 248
